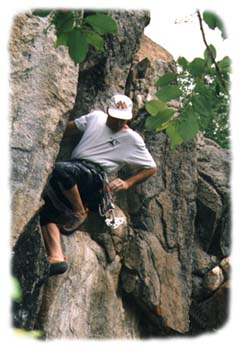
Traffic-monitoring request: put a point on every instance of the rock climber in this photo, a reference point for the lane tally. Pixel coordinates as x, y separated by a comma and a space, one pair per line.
106, 145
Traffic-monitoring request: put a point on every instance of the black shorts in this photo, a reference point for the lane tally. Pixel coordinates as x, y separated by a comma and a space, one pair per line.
89, 179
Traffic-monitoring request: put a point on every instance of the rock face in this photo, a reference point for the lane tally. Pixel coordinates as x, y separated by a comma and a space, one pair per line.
213, 198
157, 270
151, 275
43, 88
90, 294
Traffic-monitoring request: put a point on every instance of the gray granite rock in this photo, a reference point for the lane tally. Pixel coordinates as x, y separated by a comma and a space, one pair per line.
43, 85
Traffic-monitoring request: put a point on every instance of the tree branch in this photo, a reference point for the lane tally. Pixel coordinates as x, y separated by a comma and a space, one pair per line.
219, 73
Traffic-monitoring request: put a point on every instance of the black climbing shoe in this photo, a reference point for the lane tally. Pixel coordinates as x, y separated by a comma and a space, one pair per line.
57, 267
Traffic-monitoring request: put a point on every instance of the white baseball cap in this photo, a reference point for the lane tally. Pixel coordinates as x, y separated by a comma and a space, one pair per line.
120, 107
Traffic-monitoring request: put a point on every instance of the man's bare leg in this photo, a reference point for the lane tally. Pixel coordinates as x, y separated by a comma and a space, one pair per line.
51, 236
74, 197
52, 241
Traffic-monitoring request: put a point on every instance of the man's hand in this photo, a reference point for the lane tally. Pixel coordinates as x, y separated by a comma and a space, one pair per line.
143, 174
118, 184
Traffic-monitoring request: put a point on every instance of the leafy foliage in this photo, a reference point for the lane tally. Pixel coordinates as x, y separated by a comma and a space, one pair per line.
79, 30
202, 88
214, 21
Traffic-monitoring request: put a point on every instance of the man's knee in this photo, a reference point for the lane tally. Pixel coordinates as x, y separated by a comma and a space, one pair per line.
64, 173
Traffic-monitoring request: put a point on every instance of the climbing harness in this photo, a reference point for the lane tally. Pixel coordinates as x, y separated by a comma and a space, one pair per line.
106, 206
106, 203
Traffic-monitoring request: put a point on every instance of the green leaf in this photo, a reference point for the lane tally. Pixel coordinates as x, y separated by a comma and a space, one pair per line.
203, 110
197, 67
201, 87
221, 27
207, 93
156, 122
154, 106
62, 39
41, 13
172, 132
210, 19
214, 21
183, 62
166, 79
64, 21
168, 93
225, 64
78, 45
95, 40
213, 50
188, 126
201, 105
101, 23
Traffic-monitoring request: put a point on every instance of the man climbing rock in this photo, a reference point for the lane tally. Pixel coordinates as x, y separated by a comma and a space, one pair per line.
107, 144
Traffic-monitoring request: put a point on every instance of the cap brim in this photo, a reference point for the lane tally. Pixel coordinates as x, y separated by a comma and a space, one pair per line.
119, 114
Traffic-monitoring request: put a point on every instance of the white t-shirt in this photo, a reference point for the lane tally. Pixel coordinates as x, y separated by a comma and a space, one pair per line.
111, 150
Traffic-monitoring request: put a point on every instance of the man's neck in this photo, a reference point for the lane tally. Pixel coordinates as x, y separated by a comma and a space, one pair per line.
116, 124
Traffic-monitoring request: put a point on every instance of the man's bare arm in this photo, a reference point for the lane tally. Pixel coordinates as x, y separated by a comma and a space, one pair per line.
71, 129
143, 174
